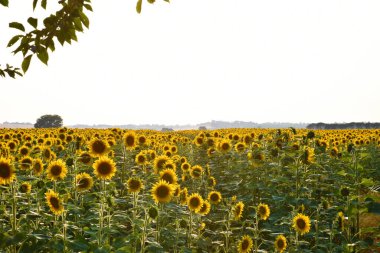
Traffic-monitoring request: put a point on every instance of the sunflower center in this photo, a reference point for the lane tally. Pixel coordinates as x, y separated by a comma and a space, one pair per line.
160, 164
195, 202
104, 168
134, 184
262, 210
280, 244
162, 191
84, 183
85, 158
56, 170
301, 224
98, 147
5, 170
225, 146
141, 158
24, 151
245, 245
168, 178
196, 173
214, 197
54, 202
37, 167
130, 140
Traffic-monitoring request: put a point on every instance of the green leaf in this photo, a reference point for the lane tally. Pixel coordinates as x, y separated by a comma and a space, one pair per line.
88, 7
138, 6
4, 2
43, 56
34, 4
84, 20
367, 182
17, 25
374, 207
13, 40
33, 22
43, 4
25, 63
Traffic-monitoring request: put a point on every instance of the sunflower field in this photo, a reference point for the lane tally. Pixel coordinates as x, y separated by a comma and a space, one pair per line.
227, 190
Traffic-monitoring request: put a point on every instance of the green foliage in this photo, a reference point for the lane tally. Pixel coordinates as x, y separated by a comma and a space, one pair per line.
49, 121
61, 26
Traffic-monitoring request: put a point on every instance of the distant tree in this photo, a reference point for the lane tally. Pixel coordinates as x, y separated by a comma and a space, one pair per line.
49, 121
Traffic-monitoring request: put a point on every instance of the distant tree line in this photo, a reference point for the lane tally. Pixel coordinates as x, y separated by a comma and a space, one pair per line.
352, 125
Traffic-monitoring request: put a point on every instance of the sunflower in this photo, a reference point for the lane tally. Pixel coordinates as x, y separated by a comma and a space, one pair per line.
211, 181
85, 158
280, 243
301, 223
46, 153
214, 197
23, 151
308, 156
130, 139
185, 166
38, 166
141, 158
183, 196
341, 219
56, 170
195, 202
205, 209
240, 147
84, 182
238, 210
245, 244
169, 176
264, 211
98, 147
104, 168
224, 146
159, 163
196, 171
26, 163
54, 202
134, 185
142, 140
162, 192
25, 187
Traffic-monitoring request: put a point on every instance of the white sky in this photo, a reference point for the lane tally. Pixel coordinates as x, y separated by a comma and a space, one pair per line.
193, 61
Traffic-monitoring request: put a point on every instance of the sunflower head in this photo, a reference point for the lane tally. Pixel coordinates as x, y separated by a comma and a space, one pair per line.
211, 182
26, 163
214, 197
205, 208
263, 211
54, 202
245, 244
169, 176
134, 185
185, 166
141, 158
160, 162
162, 192
85, 158
130, 140
56, 170
38, 166
84, 182
301, 223
195, 202
196, 171
224, 146
104, 168
25, 187
308, 156
280, 243
183, 196
238, 210
98, 147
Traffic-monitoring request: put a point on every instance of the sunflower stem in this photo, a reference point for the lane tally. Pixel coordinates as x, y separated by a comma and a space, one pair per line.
14, 211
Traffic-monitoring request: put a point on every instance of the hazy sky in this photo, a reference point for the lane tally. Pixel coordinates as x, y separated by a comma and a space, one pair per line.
192, 61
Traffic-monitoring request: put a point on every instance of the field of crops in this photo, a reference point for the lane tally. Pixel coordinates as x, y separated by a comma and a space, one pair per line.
230, 190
